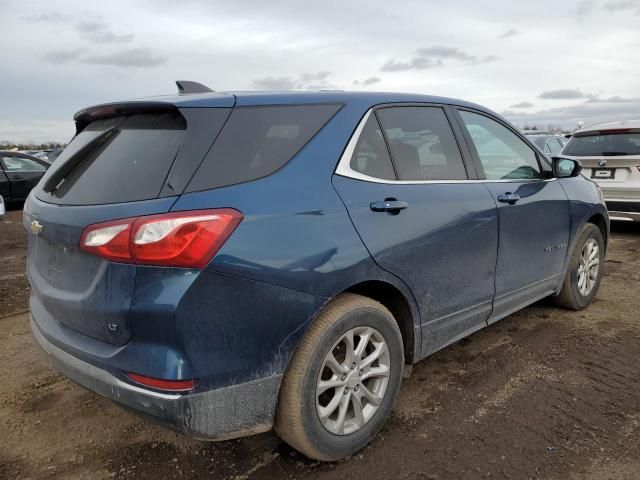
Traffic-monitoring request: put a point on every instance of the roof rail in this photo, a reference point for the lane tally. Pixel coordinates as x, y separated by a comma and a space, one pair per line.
187, 86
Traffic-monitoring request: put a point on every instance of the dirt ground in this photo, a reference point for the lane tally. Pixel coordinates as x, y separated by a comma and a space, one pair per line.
545, 393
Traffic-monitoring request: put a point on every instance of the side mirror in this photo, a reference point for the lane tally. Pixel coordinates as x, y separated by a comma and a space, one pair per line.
566, 167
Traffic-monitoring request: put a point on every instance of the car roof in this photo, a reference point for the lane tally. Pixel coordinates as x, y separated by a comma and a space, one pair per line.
257, 98
611, 126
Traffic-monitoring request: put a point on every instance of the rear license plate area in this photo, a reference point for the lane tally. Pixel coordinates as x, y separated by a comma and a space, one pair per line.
603, 173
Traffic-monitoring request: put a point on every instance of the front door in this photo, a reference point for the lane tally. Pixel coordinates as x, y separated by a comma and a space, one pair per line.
533, 211
405, 188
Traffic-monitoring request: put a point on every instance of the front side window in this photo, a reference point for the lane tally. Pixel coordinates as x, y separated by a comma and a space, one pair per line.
371, 156
20, 164
503, 154
422, 143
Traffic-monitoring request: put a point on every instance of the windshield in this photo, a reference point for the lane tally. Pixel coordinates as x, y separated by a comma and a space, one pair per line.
601, 144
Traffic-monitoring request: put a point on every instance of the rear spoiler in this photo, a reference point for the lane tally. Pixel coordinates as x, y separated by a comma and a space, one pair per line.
86, 116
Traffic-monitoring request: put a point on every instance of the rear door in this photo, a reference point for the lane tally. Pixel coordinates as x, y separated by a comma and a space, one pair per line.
405, 185
533, 211
23, 174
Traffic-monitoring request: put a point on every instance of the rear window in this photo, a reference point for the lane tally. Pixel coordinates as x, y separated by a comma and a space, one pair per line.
600, 144
119, 159
422, 143
257, 141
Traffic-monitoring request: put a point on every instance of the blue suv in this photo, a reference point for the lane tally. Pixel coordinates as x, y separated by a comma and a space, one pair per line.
228, 263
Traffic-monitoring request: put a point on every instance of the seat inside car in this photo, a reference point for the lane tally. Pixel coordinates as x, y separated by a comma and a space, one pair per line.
407, 161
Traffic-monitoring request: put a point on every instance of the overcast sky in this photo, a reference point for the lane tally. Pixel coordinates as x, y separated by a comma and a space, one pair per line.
545, 61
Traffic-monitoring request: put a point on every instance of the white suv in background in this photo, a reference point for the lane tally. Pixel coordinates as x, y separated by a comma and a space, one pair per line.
610, 155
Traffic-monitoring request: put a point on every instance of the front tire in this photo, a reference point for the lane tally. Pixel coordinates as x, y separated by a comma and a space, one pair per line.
585, 271
342, 381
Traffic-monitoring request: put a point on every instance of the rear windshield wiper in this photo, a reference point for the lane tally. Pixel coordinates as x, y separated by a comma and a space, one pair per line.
57, 178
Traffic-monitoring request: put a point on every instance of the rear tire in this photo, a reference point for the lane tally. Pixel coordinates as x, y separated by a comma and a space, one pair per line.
330, 409
586, 267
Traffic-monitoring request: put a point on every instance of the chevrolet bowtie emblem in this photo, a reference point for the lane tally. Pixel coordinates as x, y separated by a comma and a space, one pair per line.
36, 227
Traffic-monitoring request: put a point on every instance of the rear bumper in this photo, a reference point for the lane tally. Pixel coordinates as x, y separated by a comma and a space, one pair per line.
220, 414
625, 210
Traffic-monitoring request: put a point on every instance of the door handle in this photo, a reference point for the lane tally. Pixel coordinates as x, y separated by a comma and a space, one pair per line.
509, 198
389, 205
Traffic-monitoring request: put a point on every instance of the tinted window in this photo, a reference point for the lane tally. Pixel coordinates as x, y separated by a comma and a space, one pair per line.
371, 156
422, 144
257, 141
502, 153
118, 159
21, 164
539, 141
603, 144
554, 146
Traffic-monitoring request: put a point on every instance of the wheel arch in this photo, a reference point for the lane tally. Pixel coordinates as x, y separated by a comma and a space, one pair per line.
599, 221
400, 307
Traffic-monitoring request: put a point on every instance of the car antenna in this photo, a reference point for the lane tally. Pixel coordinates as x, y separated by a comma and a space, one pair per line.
187, 86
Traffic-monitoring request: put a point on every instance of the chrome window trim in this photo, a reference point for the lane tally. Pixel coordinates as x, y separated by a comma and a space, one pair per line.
344, 166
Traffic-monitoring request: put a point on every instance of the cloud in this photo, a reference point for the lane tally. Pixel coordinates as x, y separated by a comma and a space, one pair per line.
522, 105
134, 57
615, 6
433, 57
305, 81
51, 17
562, 94
588, 112
62, 56
512, 32
583, 8
94, 30
367, 81
615, 99
97, 31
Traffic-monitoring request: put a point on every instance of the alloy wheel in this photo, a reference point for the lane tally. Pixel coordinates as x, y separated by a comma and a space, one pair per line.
353, 381
588, 267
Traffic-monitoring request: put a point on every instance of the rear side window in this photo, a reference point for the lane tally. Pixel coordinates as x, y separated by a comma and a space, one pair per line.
371, 156
119, 159
422, 143
257, 141
603, 144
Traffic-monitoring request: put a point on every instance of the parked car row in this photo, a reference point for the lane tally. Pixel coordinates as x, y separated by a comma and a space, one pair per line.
228, 263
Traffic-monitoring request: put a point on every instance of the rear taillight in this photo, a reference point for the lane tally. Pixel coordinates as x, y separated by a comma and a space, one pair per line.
177, 239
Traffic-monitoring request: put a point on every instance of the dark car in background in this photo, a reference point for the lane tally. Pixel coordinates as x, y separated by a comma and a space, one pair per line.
19, 173
226, 263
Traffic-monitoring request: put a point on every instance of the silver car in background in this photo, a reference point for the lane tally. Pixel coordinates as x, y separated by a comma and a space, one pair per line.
610, 155
2, 209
